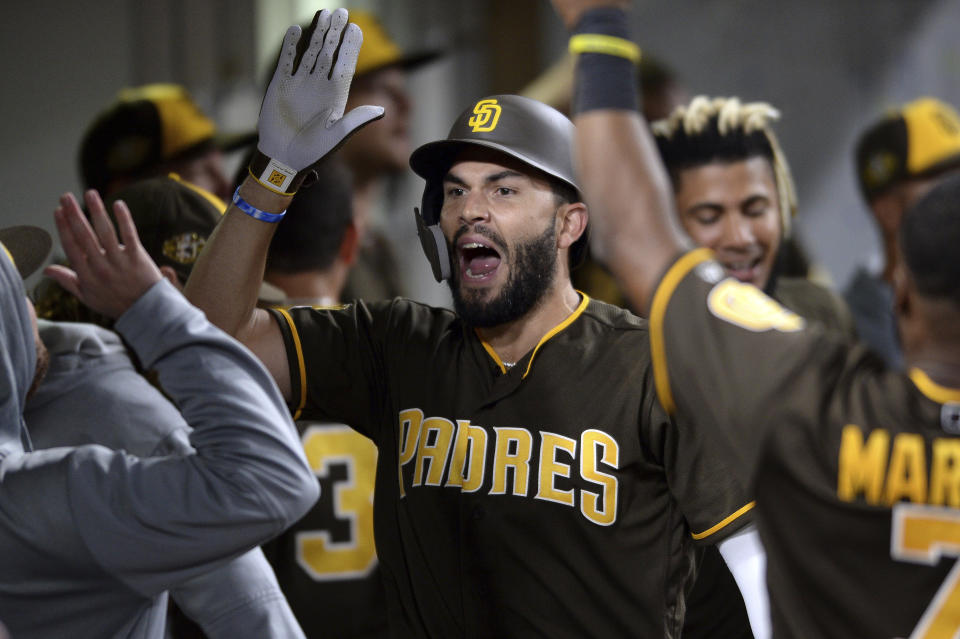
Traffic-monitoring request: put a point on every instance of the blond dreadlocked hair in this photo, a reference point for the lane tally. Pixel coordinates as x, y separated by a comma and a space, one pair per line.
710, 130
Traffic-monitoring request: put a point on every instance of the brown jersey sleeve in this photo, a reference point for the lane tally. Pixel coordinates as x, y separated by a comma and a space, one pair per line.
703, 471
733, 364
335, 357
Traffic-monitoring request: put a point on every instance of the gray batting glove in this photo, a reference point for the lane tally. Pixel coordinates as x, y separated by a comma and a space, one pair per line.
302, 119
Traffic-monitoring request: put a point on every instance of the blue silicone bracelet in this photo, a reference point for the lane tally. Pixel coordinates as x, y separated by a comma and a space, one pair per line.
253, 211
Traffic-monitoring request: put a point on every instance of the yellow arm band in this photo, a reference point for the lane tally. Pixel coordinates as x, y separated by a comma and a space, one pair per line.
608, 45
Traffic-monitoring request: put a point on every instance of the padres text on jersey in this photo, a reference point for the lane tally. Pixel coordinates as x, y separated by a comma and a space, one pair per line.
436, 452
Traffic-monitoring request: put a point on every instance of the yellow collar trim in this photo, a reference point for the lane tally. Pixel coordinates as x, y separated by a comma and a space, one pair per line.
492, 353
933, 390
584, 301
220, 205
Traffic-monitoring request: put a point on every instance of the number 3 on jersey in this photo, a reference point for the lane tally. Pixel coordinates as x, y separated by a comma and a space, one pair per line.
354, 457
924, 534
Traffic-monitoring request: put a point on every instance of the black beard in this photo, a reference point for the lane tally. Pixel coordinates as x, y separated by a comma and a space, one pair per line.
532, 271
43, 363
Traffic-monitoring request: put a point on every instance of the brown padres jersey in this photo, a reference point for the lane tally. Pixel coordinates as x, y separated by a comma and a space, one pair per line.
857, 469
554, 498
715, 607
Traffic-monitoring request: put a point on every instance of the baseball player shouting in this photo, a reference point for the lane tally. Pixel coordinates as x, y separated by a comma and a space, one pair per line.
855, 466
528, 482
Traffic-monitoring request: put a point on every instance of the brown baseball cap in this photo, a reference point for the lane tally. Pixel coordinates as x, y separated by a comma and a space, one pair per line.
173, 218
919, 139
28, 247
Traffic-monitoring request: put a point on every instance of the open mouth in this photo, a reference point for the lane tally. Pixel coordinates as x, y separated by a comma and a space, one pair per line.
744, 270
478, 260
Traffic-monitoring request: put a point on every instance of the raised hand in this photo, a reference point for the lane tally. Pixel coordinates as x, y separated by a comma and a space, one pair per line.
107, 274
302, 119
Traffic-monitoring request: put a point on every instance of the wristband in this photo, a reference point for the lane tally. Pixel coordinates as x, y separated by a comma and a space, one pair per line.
608, 45
253, 211
606, 62
275, 175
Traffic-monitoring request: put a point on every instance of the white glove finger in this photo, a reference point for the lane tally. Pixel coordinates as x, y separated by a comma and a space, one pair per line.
349, 50
321, 22
338, 20
355, 120
332, 133
288, 52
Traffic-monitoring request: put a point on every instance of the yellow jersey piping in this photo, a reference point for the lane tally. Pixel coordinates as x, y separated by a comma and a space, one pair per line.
933, 390
725, 522
558, 328
492, 353
658, 310
585, 299
300, 365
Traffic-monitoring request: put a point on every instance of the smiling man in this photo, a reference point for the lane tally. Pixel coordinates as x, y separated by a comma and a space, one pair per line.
734, 194
528, 482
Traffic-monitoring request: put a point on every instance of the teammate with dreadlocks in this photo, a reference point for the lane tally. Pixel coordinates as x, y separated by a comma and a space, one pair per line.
734, 194
855, 466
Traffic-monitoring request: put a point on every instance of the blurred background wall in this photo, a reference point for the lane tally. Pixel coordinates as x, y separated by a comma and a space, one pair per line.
830, 66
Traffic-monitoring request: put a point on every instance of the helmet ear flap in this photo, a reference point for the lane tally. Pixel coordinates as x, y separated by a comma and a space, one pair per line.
434, 246
428, 229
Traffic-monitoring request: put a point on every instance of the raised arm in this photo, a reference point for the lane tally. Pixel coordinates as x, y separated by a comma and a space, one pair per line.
181, 515
633, 228
301, 121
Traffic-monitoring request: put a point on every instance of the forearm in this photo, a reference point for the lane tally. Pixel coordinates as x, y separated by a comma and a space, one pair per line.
747, 561
241, 426
226, 278
633, 231
239, 599
633, 227
157, 522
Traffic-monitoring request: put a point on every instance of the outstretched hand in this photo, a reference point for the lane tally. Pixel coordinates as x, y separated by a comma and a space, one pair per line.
302, 119
571, 10
107, 274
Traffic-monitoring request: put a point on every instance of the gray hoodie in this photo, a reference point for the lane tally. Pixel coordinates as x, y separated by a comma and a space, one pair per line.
91, 537
93, 394
18, 358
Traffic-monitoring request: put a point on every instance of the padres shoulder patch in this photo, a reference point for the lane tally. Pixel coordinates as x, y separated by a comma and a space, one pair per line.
746, 306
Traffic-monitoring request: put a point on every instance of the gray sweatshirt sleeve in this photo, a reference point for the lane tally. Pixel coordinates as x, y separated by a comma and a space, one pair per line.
157, 522
240, 599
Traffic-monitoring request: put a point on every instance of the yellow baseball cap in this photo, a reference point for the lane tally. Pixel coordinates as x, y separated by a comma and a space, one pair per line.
920, 138
145, 127
379, 50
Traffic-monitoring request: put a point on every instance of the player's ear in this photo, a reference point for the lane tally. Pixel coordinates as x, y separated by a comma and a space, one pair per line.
171, 276
904, 306
888, 209
571, 223
349, 245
